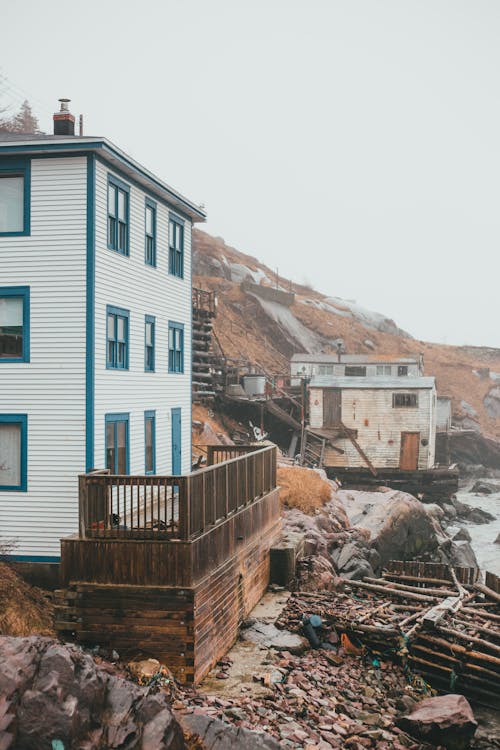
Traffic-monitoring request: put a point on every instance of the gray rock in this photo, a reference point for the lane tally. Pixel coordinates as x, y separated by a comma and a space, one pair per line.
468, 409
462, 536
449, 510
477, 515
485, 488
462, 554
268, 635
57, 692
444, 720
215, 734
395, 524
492, 402
497, 540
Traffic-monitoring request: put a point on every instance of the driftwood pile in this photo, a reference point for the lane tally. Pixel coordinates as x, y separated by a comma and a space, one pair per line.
438, 622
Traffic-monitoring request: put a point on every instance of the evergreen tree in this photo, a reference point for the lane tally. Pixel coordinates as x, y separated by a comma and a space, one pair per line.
23, 122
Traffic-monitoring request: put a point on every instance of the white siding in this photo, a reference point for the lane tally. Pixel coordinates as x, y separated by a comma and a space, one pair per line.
128, 283
379, 426
50, 388
337, 369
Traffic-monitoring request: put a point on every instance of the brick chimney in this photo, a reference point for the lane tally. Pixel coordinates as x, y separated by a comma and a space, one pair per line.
64, 121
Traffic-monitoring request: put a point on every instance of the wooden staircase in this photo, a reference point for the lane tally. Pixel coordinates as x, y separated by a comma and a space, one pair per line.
203, 354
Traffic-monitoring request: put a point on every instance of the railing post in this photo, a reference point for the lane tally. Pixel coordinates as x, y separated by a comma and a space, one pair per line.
184, 507
82, 505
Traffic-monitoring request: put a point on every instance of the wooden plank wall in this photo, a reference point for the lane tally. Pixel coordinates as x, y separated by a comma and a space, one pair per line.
119, 594
153, 620
226, 597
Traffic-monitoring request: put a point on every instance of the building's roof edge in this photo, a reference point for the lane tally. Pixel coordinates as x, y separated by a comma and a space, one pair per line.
110, 153
369, 359
404, 382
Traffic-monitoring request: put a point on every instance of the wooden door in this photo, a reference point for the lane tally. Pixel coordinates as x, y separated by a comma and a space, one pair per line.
408, 459
332, 407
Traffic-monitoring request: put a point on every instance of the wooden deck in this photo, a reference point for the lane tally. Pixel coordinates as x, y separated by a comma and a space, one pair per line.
169, 566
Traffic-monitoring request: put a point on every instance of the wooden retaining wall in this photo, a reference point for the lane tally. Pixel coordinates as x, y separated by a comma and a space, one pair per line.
181, 602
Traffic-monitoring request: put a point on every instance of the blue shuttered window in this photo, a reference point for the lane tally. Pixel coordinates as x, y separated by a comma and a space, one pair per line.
14, 324
150, 442
150, 233
149, 343
118, 215
175, 347
14, 452
117, 443
15, 188
117, 345
176, 247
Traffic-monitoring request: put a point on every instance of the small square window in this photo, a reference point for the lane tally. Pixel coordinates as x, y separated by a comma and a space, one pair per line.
355, 371
176, 247
403, 370
404, 400
175, 347
117, 326
13, 452
14, 324
384, 370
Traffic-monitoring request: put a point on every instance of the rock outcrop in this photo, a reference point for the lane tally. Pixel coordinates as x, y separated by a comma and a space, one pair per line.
446, 720
397, 524
53, 692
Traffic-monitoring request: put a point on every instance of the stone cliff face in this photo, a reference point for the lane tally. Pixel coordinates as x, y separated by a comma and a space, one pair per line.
268, 333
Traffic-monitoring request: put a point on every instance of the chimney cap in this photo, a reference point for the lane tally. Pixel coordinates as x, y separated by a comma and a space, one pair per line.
64, 104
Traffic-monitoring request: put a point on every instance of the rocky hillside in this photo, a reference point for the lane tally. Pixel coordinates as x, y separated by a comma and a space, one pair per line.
268, 333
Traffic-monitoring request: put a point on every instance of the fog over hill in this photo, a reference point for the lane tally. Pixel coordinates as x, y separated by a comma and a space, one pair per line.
267, 332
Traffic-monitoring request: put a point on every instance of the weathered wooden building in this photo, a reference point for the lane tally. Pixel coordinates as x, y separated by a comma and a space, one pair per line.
308, 366
374, 421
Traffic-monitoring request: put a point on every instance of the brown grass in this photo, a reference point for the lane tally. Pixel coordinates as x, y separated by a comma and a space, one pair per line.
24, 609
303, 489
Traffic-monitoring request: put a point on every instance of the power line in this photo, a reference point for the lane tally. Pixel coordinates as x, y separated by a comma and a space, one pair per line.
21, 94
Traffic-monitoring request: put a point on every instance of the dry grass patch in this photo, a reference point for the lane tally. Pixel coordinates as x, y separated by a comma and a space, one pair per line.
303, 488
24, 609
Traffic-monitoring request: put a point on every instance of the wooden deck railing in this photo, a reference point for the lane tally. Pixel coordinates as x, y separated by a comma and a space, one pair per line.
173, 507
204, 301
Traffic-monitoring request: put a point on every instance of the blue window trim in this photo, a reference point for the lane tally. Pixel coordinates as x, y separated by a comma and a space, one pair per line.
148, 203
149, 319
152, 416
172, 365
113, 418
117, 183
172, 260
20, 168
21, 419
118, 312
24, 292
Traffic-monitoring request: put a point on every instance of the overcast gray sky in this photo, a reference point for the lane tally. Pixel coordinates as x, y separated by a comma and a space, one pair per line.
354, 144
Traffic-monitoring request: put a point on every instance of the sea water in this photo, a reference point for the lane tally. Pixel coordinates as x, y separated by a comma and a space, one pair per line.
483, 535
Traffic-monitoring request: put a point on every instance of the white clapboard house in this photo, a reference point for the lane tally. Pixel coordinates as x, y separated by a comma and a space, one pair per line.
95, 327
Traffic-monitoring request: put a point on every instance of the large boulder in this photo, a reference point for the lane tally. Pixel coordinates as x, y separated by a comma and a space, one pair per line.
56, 692
485, 488
214, 734
397, 525
445, 720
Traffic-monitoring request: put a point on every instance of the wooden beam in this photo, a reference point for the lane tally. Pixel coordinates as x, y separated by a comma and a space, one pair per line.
348, 434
